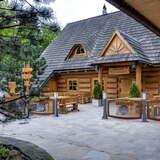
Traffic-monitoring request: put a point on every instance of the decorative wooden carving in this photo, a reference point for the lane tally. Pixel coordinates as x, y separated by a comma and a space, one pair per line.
12, 87
119, 70
117, 45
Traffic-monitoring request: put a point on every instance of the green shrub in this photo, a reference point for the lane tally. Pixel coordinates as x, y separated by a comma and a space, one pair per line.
4, 152
134, 91
97, 91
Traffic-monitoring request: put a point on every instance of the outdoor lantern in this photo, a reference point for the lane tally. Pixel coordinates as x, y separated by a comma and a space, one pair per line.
144, 96
104, 95
55, 95
133, 65
96, 68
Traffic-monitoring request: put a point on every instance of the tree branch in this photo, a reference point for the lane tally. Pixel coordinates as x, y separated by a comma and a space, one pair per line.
5, 27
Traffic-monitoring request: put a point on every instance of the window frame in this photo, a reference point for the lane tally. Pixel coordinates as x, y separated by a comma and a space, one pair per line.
80, 48
72, 85
80, 54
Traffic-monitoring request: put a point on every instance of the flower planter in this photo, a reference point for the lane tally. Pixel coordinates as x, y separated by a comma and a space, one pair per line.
42, 105
97, 102
123, 108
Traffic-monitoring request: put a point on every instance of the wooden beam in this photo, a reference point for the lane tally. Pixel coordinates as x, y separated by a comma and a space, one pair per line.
100, 74
139, 76
128, 9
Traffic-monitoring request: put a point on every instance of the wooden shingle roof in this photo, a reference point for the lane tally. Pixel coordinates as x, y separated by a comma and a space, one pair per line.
94, 33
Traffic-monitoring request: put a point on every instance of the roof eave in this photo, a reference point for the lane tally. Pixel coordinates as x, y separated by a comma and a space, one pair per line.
128, 9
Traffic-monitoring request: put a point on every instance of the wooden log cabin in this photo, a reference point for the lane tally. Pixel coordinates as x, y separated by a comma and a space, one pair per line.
113, 49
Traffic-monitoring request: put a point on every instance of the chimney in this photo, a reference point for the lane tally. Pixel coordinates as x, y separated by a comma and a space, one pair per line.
104, 10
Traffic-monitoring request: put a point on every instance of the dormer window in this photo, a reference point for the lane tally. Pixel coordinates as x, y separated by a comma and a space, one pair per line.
80, 50
77, 51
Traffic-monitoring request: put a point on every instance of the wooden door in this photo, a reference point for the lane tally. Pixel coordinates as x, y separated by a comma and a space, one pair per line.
123, 87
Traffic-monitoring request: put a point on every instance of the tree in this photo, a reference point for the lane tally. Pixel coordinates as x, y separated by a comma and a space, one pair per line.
134, 91
97, 91
25, 31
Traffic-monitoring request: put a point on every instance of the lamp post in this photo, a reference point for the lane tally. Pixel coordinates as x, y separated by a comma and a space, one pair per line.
55, 104
105, 106
144, 107
26, 76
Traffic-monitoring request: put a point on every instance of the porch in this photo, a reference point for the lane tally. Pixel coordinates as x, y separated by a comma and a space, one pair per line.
117, 79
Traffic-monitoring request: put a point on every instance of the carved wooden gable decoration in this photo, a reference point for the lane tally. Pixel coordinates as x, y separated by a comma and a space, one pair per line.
77, 51
117, 45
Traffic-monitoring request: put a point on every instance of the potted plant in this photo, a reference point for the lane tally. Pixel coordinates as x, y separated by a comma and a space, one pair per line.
97, 95
134, 91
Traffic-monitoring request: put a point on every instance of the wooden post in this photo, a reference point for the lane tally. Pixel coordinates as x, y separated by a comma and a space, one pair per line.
100, 75
139, 76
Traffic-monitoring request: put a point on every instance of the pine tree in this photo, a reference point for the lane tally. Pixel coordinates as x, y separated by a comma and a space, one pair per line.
97, 91
25, 31
134, 91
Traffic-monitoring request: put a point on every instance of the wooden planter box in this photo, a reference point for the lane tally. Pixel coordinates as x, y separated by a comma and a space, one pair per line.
127, 109
154, 109
43, 107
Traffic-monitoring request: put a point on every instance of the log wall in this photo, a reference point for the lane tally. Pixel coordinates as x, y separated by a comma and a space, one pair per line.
111, 84
84, 79
50, 86
151, 81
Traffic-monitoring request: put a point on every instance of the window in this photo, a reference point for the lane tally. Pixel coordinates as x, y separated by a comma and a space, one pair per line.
80, 50
72, 85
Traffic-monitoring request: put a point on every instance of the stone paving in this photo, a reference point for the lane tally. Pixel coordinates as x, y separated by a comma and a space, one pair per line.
85, 136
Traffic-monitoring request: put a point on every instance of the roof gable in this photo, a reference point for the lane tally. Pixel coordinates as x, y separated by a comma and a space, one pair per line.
117, 44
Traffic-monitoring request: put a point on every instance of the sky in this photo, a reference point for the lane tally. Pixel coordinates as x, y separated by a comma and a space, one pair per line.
67, 11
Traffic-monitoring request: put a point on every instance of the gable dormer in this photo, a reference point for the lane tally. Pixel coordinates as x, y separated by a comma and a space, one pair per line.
76, 51
117, 44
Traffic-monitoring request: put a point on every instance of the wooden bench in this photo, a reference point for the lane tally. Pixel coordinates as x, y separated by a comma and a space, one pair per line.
83, 97
68, 104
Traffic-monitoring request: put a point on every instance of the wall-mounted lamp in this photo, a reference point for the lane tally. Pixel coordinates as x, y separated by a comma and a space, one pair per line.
96, 68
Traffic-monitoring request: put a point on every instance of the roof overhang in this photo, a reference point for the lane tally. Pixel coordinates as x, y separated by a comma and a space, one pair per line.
144, 11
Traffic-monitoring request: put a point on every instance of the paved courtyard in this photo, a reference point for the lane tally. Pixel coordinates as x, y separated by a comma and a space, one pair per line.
85, 136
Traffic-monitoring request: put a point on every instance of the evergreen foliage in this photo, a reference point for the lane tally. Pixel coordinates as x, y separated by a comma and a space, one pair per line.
134, 91
26, 29
97, 91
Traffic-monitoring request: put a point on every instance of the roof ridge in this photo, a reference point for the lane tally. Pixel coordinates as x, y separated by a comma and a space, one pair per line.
103, 15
